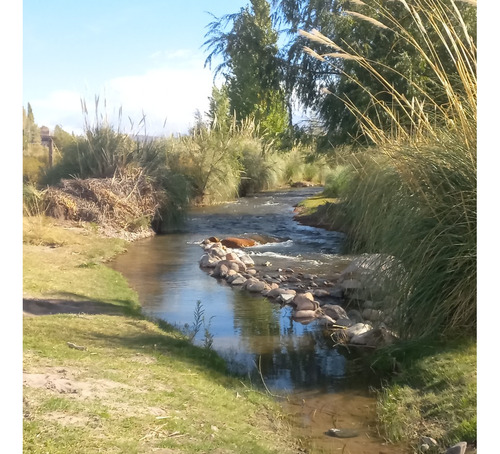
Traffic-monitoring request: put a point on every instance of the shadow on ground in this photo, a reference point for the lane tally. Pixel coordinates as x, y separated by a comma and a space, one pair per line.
51, 306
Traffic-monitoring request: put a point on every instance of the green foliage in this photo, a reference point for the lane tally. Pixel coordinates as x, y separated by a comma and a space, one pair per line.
414, 196
250, 66
62, 139
35, 156
434, 393
259, 167
32, 200
219, 113
336, 181
35, 163
418, 205
209, 161
31, 132
390, 37
293, 166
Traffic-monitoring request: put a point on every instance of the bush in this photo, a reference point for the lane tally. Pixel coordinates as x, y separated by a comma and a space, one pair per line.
32, 200
258, 167
414, 195
336, 181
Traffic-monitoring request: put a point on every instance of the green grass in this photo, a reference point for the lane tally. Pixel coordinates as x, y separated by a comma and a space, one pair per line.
310, 205
68, 262
435, 394
324, 212
139, 372
139, 385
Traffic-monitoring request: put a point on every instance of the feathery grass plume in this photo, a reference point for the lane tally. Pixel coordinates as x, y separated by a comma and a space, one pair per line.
338, 55
318, 37
313, 53
367, 19
413, 196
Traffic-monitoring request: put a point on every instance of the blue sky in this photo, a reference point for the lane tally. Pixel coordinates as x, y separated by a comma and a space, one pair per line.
140, 56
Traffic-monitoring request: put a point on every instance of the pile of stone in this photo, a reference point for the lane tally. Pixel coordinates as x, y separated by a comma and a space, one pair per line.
310, 297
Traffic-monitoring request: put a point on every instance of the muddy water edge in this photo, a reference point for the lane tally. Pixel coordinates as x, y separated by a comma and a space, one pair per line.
320, 384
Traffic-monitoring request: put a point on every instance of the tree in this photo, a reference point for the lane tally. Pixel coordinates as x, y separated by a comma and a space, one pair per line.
219, 111
62, 138
250, 66
31, 132
360, 28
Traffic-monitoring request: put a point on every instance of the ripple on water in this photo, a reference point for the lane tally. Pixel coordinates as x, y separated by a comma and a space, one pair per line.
256, 336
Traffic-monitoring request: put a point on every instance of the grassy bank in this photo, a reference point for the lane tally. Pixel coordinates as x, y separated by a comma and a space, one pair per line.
431, 384
115, 382
323, 212
433, 393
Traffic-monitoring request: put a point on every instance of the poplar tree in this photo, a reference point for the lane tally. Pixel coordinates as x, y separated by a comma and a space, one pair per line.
250, 65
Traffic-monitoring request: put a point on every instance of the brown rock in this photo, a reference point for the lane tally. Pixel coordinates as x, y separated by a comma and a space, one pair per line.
231, 256
305, 314
238, 242
305, 301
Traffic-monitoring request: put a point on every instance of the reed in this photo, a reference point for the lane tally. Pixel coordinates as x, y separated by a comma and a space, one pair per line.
413, 194
32, 200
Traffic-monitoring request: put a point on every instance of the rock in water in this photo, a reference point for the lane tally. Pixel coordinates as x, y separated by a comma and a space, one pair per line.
238, 242
342, 433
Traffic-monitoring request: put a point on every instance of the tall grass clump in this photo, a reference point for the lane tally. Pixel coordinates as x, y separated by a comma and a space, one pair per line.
301, 164
259, 167
222, 161
207, 158
413, 194
105, 152
33, 204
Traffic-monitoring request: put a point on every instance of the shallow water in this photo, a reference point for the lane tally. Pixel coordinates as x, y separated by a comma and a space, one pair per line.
257, 337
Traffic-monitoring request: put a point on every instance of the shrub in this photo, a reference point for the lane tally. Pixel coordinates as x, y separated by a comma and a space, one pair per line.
414, 195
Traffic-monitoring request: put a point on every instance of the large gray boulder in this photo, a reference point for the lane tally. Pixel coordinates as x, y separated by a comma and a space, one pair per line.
208, 261
459, 448
255, 286
372, 315
286, 297
357, 329
238, 280
247, 260
217, 251
334, 311
321, 293
377, 337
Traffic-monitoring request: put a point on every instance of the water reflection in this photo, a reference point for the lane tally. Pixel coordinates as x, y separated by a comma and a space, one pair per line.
248, 330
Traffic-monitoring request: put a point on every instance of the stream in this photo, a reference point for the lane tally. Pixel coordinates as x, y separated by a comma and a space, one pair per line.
322, 383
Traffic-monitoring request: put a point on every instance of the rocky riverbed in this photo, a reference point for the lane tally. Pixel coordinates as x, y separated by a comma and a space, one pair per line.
342, 302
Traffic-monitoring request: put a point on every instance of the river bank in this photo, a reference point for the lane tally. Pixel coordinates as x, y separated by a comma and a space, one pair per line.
108, 379
69, 268
431, 384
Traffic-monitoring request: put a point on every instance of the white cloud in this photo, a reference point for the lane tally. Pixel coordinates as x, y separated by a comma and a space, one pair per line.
162, 55
167, 96
61, 107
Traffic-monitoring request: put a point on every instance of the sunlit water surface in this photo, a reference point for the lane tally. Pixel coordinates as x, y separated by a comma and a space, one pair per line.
257, 337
